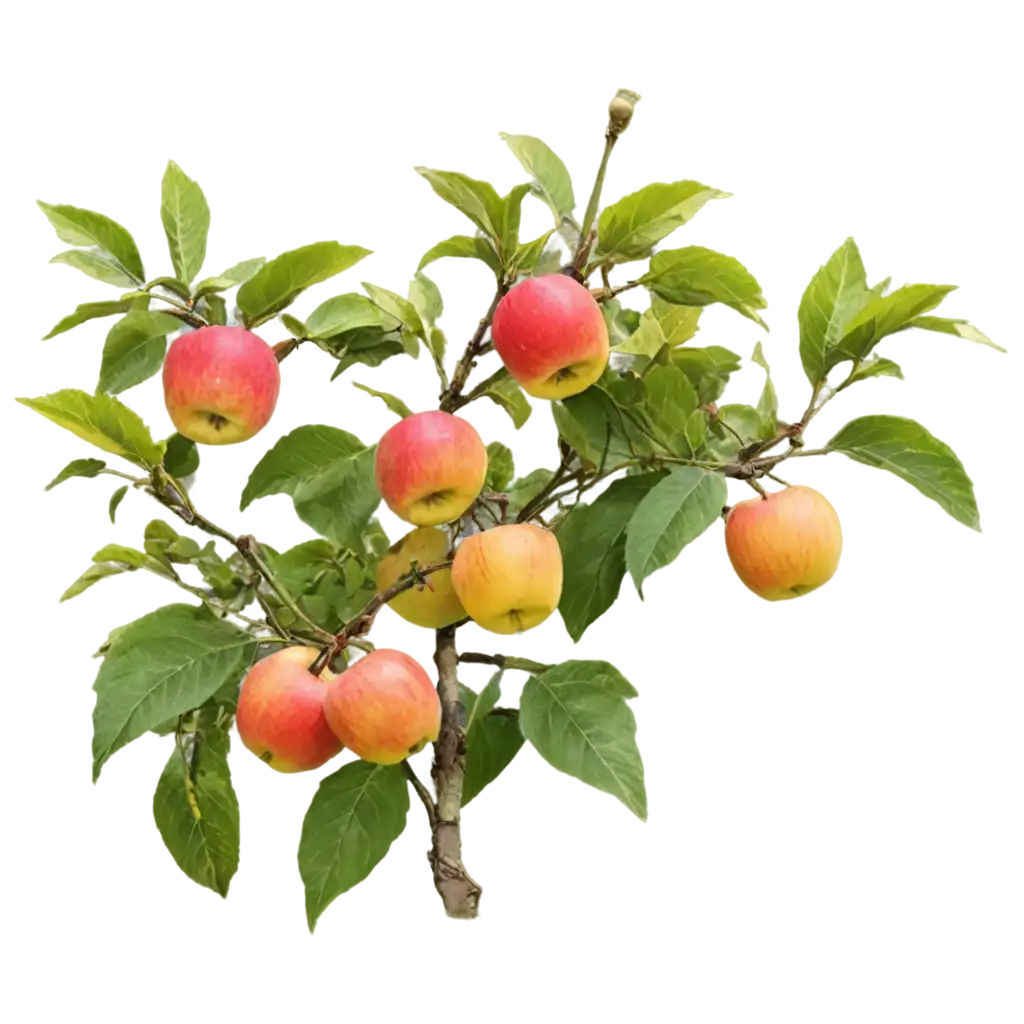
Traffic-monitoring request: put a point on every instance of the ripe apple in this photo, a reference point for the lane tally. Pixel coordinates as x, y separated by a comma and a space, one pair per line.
430, 467
784, 545
384, 707
220, 384
280, 713
436, 604
509, 579
551, 336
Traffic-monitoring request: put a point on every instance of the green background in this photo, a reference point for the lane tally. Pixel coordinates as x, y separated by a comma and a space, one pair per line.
841, 794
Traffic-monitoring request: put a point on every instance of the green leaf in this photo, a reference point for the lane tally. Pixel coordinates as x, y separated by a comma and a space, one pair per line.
213, 309
708, 369
905, 448
476, 199
524, 489
355, 816
280, 282
84, 227
102, 421
597, 429
551, 181
593, 544
874, 366
958, 328
298, 455
671, 399
171, 284
134, 349
196, 811
674, 513
678, 323
696, 276
186, 220
768, 403
500, 467
162, 665
734, 427
630, 228
508, 224
490, 749
621, 322
92, 575
835, 293
345, 313
575, 715
396, 405
238, 274
182, 456
402, 310
463, 247
97, 266
501, 389
79, 467
883, 315
369, 347
89, 311
479, 705
526, 256
115, 500
426, 299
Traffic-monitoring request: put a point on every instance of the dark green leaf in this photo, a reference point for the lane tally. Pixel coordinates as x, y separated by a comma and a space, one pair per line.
182, 456
490, 748
708, 369
80, 467
396, 405
186, 220
696, 276
479, 705
905, 448
671, 399
97, 265
575, 714
526, 488
84, 228
464, 247
593, 543
630, 228
238, 274
551, 181
298, 455
944, 325
171, 284
597, 429
501, 389
279, 283
89, 311
134, 349
370, 348
102, 421
345, 313
836, 292
500, 467
355, 816
196, 811
673, 514
115, 500
162, 665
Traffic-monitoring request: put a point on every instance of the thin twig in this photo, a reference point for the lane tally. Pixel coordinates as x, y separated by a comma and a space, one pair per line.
422, 792
451, 395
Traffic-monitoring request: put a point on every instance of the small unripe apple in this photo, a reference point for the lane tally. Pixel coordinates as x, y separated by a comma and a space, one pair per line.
509, 579
280, 713
430, 467
220, 384
435, 605
786, 544
384, 708
551, 336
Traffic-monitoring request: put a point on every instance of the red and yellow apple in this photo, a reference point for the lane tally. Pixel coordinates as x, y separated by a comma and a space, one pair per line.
384, 707
435, 604
509, 578
280, 713
220, 384
430, 467
551, 336
786, 544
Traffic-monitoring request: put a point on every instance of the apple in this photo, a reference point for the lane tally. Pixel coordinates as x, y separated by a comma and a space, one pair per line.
220, 384
430, 467
551, 336
509, 578
280, 713
435, 605
786, 544
384, 707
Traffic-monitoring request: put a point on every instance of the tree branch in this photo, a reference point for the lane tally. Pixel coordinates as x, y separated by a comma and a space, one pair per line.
504, 662
459, 893
450, 400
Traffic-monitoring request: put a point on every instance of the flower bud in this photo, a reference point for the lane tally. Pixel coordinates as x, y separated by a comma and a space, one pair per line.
620, 110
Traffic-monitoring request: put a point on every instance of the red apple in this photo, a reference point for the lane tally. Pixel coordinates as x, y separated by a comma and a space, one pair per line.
384, 707
430, 467
509, 578
433, 605
280, 713
551, 336
220, 384
786, 544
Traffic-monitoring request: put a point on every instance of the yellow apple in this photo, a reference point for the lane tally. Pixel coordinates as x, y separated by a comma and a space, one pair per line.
436, 604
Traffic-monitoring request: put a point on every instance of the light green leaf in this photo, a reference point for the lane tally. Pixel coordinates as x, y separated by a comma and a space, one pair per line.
696, 276
905, 448
873, 366
501, 389
238, 274
396, 405
89, 311
476, 199
115, 500
708, 369
678, 323
835, 294
186, 220
160, 666
671, 399
525, 258
593, 544
97, 266
575, 715
196, 811
355, 816
79, 467
551, 181
279, 283
102, 421
345, 313
524, 489
92, 575
426, 299
85, 228
134, 349
958, 328
298, 455
464, 247
403, 311
500, 467
170, 284
630, 228
673, 514
768, 403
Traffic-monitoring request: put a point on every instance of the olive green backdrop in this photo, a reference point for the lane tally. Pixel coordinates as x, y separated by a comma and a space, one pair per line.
844, 837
